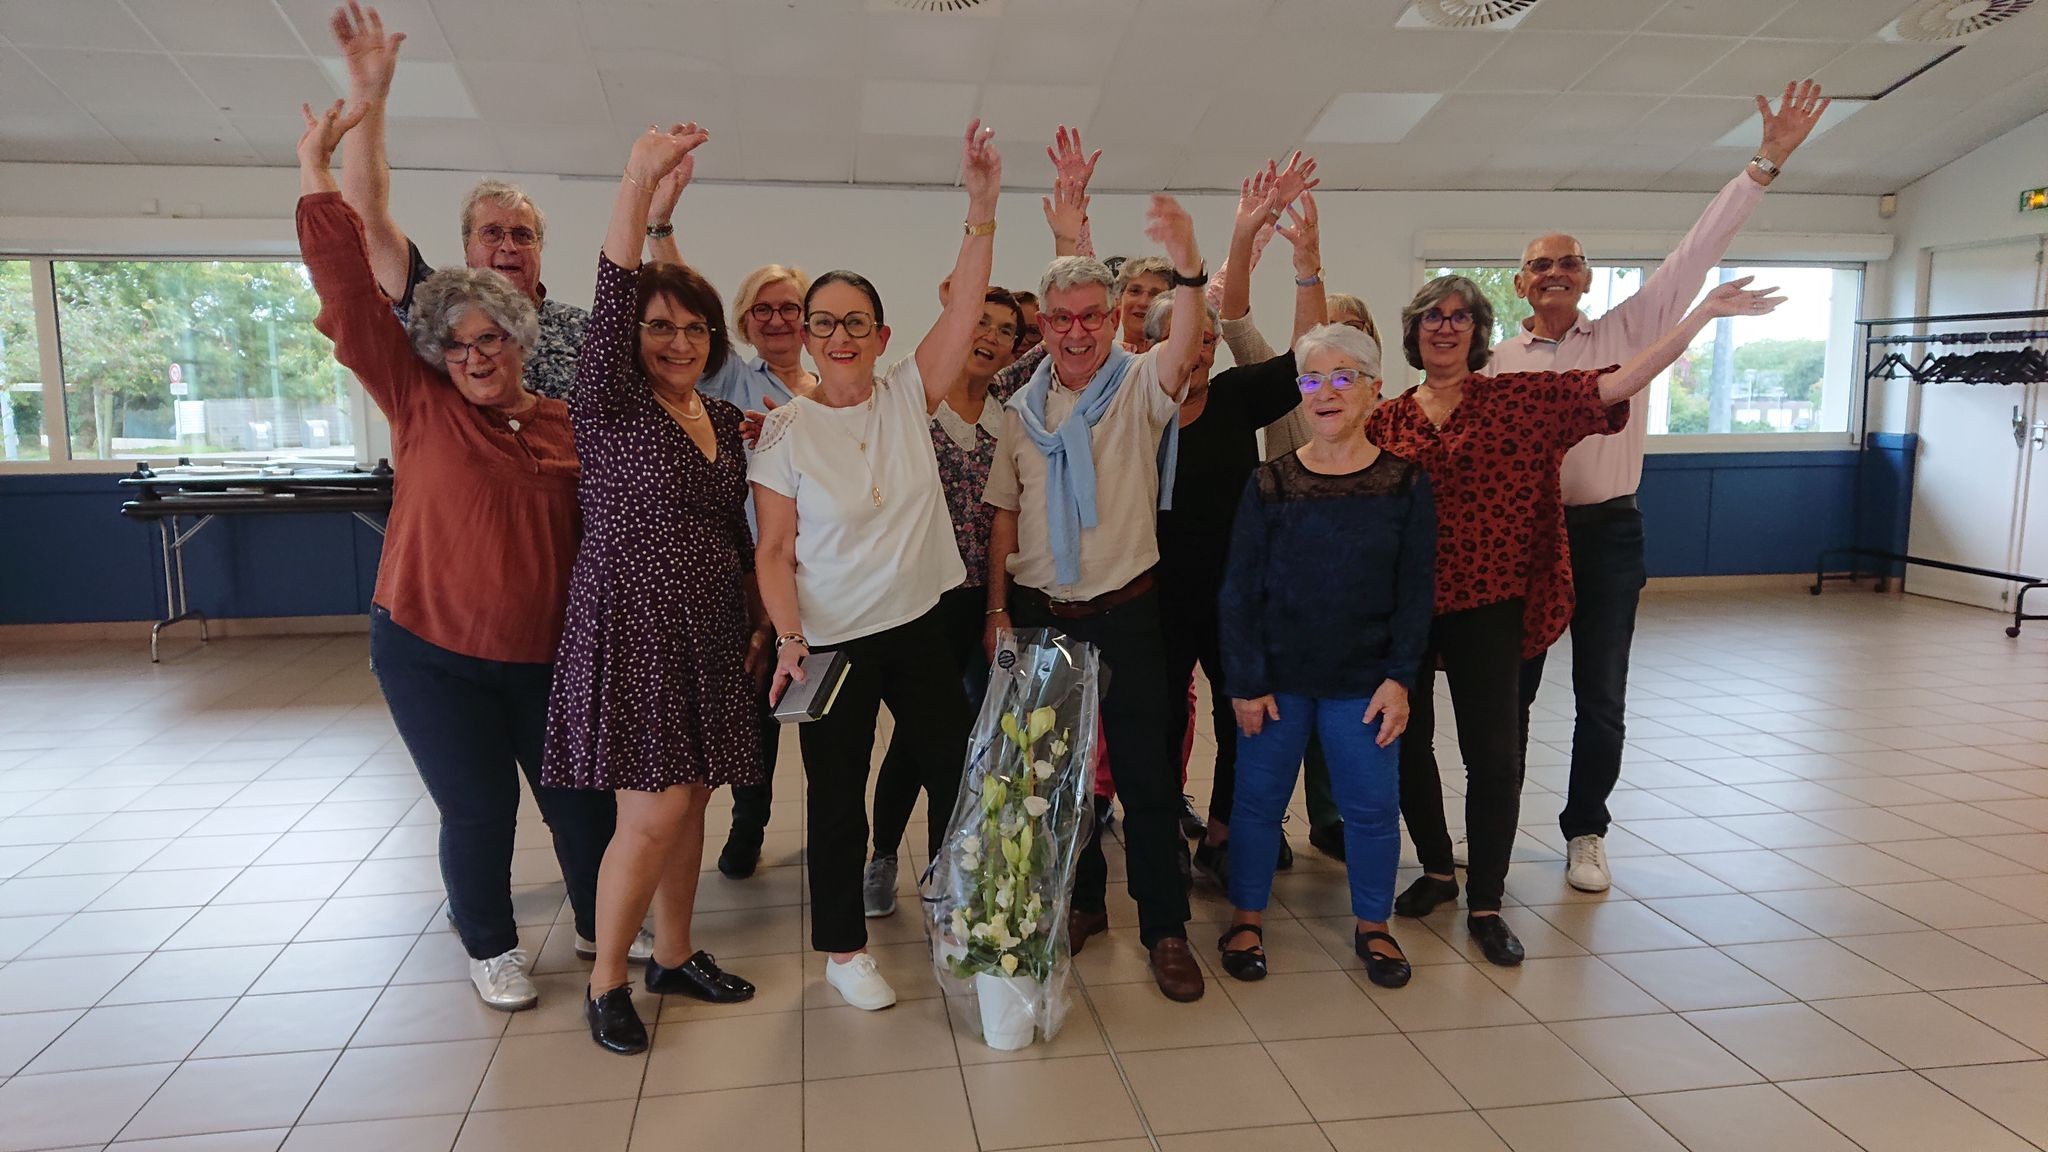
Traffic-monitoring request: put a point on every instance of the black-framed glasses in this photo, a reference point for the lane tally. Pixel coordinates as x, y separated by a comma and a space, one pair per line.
520, 237
1342, 380
696, 331
1460, 321
823, 324
490, 344
1541, 266
1090, 321
790, 311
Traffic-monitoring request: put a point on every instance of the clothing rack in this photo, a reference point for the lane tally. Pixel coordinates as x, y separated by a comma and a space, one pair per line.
2010, 354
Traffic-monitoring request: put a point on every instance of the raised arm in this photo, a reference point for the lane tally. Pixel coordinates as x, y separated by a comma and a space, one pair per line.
1304, 232
1255, 214
368, 339
372, 59
1169, 226
1735, 298
661, 229
655, 155
943, 351
1066, 210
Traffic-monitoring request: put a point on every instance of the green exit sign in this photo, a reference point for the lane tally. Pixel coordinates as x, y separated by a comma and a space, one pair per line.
2034, 199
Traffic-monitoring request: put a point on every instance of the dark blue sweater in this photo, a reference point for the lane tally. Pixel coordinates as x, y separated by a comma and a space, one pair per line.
1331, 580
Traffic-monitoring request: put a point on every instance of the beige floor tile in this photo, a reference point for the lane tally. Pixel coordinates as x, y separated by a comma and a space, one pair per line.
1513, 1066
1049, 1102
1643, 1054
1691, 979
1360, 1077
1934, 961
1956, 859
1839, 912
925, 1110
239, 925
1921, 1031
2015, 1095
1079, 1035
70, 982
1334, 936
770, 1119
1657, 877
1205, 1089
2024, 946
603, 1127
1137, 1018
1540, 941
24, 1035
1900, 1112
734, 1052
1760, 1118
557, 1068
327, 964
131, 1034
1731, 919
1572, 988
1580, 1124
289, 1022
561, 1005
1857, 864
1304, 1006
1444, 996
415, 1134
425, 1013
233, 1093
1281, 1138
1790, 1042
401, 1080
99, 933
260, 1140
1445, 1132
2028, 893
74, 1108
2021, 1012
1945, 904
778, 987
1816, 969
852, 1042
1758, 871
1616, 926
1778, 829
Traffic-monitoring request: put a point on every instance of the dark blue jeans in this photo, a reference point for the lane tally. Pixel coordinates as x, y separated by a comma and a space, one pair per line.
1608, 573
472, 726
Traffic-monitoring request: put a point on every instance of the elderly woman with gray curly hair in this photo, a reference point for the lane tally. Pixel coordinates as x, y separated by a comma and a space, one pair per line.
475, 573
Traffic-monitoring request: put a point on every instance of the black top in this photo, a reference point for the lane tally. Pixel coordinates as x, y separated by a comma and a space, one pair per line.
1331, 583
1217, 453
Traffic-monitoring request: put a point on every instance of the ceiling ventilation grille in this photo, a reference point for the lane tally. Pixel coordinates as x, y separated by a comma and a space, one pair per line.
1936, 21
941, 6
1489, 14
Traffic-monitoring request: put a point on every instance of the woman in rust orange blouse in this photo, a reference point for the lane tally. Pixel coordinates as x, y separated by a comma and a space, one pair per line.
1492, 446
475, 572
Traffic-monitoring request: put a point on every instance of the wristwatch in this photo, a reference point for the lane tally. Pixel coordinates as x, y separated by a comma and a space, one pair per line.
1764, 165
1199, 280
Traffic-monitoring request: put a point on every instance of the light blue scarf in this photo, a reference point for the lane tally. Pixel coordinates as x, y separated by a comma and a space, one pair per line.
1070, 456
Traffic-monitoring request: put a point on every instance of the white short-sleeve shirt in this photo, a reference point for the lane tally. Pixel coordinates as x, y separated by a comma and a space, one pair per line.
862, 568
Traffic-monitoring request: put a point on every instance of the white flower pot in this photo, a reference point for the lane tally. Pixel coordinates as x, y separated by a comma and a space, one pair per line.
1008, 1010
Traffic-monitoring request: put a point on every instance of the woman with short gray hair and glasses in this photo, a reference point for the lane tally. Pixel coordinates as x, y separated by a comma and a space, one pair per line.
1492, 446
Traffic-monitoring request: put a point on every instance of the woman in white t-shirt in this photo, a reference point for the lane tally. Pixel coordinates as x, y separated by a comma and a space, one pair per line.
855, 547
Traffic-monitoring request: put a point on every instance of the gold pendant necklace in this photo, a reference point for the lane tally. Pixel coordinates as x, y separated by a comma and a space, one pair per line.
867, 435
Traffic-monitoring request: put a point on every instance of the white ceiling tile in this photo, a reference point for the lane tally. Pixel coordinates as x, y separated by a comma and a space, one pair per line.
1687, 122
929, 46
564, 93
1988, 66
1591, 15
1751, 129
423, 39
58, 137
73, 24
639, 96
260, 85
1048, 52
677, 28
422, 89
1131, 169
1587, 118
1835, 19
1704, 171
780, 40
1335, 17
1156, 115
1867, 69
916, 108
1635, 166
183, 140
1223, 166
1459, 133
1347, 166
1715, 17
1398, 61
481, 30
1764, 67
793, 104
23, 90
1538, 164
809, 156
115, 85
1539, 61
1371, 117
251, 27
275, 138
570, 150
1025, 117
460, 145
906, 159
1648, 63
1275, 118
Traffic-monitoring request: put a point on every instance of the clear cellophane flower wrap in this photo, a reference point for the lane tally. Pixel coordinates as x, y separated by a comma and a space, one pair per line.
997, 897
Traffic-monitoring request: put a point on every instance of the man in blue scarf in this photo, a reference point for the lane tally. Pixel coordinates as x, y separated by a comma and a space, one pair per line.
1076, 486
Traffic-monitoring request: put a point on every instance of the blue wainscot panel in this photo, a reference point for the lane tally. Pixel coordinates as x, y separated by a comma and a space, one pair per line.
1745, 513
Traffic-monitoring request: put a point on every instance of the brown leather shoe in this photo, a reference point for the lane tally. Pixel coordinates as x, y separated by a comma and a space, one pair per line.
1174, 967
1081, 925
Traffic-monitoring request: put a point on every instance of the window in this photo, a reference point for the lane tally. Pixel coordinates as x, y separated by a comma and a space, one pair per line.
21, 368
196, 358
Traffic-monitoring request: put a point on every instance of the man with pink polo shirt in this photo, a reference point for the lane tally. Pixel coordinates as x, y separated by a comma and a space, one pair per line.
1601, 474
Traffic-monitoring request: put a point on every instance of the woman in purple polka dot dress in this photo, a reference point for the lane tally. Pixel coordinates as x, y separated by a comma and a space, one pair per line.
652, 695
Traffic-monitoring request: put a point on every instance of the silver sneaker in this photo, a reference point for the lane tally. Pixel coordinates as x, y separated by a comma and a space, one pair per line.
1585, 864
502, 983
639, 953
1461, 852
878, 887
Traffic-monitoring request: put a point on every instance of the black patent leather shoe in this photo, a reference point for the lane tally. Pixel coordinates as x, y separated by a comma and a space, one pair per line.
741, 855
1424, 896
614, 1023
699, 978
1493, 937
1385, 971
1243, 963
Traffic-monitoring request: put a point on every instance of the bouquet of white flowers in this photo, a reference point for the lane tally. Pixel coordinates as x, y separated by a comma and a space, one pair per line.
998, 895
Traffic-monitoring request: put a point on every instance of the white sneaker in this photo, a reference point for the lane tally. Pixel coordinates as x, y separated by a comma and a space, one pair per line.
1461, 852
502, 982
860, 982
1585, 864
641, 950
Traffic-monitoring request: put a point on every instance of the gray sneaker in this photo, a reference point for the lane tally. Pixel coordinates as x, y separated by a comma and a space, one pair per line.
878, 887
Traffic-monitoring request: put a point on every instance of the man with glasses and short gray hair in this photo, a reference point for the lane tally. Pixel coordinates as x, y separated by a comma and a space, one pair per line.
1601, 474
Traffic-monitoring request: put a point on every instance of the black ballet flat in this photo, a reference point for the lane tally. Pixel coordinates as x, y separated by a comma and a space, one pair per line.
1425, 896
1385, 971
1495, 940
1245, 964
699, 978
615, 1023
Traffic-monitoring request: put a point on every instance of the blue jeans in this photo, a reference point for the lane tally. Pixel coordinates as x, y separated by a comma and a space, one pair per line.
1365, 777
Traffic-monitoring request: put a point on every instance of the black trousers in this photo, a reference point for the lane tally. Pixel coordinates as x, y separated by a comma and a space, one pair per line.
1137, 718
1481, 650
1608, 572
1192, 639
963, 613
911, 669
472, 726
750, 802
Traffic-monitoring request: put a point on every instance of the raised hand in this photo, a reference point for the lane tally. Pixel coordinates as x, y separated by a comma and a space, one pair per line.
1297, 177
1737, 298
657, 153
1254, 195
371, 55
1069, 163
670, 189
1168, 225
1066, 210
1786, 128
981, 169
323, 134
1302, 231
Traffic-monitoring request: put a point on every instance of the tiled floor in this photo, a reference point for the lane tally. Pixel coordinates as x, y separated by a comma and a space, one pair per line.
220, 929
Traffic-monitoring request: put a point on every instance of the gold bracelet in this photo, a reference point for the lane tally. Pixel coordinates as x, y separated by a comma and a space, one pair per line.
633, 182
790, 638
985, 228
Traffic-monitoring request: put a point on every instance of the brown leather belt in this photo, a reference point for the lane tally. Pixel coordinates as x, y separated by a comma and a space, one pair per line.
1083, 609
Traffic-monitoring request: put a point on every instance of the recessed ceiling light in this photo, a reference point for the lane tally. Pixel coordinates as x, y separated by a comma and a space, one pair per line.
1372, 117
422, 90
1747, 133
